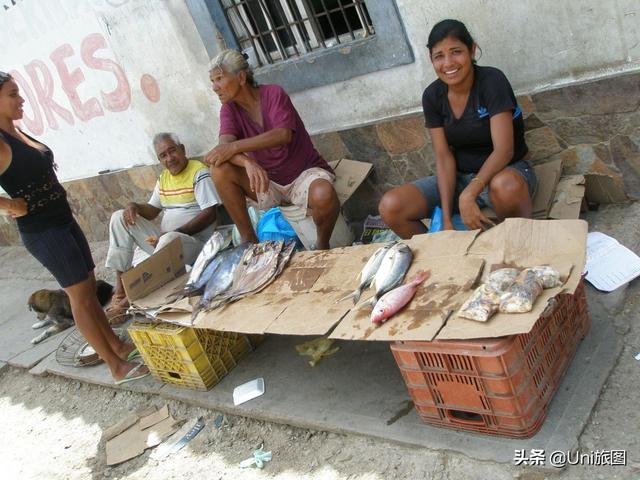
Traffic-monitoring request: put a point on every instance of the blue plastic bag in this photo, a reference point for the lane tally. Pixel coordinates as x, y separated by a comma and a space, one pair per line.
436, 221
273, 226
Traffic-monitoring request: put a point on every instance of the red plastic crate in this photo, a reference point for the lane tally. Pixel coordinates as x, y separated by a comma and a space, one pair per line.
498, 386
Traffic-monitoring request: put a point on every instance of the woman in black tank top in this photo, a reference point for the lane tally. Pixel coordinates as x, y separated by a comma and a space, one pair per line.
50, 233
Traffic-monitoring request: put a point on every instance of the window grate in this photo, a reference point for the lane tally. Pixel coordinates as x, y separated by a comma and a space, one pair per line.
272, 31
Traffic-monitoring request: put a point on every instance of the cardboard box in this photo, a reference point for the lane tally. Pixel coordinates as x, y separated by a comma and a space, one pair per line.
349, 175
303, 300
143, 283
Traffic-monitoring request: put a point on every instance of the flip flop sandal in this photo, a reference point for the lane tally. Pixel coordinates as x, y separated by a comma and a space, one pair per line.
131, 375
133, 354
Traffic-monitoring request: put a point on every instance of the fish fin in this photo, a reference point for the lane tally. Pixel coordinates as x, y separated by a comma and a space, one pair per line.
356, 295
350, 295
368, 302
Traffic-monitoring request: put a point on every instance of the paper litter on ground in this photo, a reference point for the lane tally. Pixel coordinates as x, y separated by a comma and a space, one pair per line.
609, 264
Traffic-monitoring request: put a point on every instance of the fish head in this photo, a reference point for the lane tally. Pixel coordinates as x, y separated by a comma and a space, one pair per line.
379, 314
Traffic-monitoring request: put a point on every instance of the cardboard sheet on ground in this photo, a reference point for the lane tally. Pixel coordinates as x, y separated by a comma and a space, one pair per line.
135, 433
548, 175
523, 243
568, 197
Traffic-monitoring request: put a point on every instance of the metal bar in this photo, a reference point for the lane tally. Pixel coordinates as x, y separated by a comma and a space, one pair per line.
362, 16
311, 17
346, 20
287, 25
258, 48
292, 13
330, 22
272, 28
259, 30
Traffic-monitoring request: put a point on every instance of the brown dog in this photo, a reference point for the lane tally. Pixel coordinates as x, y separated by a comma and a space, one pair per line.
53, 308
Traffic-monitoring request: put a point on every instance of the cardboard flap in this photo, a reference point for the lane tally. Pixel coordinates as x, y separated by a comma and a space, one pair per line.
568, 198
441, 244
526, 243
154, 272
161, 297
349, 175
252, 314
450, 282
602, 188
548, 175
311, 313
545, 242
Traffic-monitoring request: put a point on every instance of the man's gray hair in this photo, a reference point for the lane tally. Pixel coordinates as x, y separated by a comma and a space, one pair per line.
232, 61
162, 136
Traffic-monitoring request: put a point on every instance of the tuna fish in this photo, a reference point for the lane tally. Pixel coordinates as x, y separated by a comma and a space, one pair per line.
392, 270
393, 301
221, 280
368, 272
215, 244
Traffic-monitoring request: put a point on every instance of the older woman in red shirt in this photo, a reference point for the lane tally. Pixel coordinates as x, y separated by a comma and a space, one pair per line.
264, 153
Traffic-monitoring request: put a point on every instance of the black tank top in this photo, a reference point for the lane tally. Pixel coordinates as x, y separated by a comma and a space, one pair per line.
31, 175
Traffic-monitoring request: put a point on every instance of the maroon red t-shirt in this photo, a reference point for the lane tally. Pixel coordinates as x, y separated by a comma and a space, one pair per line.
286, 162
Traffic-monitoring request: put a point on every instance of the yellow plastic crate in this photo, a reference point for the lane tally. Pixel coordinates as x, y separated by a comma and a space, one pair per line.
188, 357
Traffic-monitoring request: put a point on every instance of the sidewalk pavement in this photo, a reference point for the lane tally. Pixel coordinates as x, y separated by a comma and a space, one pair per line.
358, 390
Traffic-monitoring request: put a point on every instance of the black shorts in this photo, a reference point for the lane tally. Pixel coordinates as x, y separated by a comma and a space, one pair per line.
64, 251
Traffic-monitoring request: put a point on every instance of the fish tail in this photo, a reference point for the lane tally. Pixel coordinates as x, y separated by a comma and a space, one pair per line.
368, 302
352, 294
420, 277
356, 295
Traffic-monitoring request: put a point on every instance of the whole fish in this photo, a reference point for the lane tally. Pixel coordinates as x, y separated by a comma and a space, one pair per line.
221, 280
216, 243
257, 267
392, 270
283, 260
393, 301
368, 272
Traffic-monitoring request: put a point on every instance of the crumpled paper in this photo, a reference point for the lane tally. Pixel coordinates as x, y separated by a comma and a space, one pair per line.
316, 349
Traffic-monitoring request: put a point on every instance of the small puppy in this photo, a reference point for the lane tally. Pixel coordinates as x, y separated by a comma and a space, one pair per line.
52, 308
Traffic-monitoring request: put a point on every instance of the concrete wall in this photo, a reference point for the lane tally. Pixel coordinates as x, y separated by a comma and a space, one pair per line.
102, 76
593, 128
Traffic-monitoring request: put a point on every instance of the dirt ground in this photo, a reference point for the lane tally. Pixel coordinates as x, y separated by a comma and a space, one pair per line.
53, 431
53, 426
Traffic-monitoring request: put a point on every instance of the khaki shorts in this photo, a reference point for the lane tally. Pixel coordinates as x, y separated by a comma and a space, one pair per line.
296, 193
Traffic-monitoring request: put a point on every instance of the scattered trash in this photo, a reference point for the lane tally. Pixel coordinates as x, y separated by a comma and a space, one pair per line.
218, 421
259, 459
316, 349
248, 391
609, 264
133, 434
179, 439
375, 230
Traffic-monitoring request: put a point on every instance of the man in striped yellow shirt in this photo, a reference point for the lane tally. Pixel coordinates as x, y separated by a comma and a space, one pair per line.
185, 193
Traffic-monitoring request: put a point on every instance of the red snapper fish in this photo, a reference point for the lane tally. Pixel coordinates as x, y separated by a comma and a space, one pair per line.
393, 301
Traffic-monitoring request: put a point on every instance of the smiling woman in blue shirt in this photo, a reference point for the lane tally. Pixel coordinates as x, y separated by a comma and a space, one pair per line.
477, 131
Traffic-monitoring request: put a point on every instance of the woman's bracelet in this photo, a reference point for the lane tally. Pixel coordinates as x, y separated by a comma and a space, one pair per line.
479, 180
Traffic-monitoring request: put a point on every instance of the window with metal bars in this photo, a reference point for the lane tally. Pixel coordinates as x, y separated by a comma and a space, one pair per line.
301, 44
272, 31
